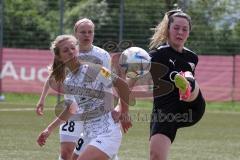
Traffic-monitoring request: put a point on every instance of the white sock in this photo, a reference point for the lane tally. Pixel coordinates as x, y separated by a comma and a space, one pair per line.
60, 158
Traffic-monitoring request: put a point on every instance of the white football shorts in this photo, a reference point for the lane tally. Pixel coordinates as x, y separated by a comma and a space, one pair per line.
108, 142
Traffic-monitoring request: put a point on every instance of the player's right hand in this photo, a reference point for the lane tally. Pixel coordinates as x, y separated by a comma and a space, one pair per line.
41, 140
125, 121
39, 109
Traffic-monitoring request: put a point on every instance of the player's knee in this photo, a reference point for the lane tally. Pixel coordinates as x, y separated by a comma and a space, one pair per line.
74, 156
155, 155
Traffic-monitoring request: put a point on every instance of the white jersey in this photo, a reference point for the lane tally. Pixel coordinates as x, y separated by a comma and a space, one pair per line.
95, 56
91, 88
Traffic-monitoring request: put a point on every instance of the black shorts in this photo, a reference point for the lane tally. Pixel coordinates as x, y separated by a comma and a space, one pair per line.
166, 121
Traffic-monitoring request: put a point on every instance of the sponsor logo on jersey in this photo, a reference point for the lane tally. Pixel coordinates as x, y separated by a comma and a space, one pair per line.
192, 66
105, 72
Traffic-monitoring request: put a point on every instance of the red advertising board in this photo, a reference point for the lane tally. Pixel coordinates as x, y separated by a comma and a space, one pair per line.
25, 70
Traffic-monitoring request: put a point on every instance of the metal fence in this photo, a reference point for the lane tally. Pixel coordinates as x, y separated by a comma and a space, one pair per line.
33, 24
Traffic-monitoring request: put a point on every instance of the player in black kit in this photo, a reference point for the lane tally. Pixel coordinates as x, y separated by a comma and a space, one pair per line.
178, 101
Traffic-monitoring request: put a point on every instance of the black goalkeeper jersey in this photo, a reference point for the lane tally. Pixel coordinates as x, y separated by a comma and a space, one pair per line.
165, 60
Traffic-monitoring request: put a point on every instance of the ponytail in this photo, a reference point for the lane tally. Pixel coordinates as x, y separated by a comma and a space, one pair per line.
58, 69
160, 35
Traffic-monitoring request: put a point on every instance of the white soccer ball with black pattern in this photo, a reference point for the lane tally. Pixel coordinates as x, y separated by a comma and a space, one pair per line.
135, 62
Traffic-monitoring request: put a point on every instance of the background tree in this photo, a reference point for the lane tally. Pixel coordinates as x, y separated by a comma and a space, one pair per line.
213, 31
29, 24
33, 24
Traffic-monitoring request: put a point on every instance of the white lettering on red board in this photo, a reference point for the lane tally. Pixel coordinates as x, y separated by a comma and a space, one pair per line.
26, 74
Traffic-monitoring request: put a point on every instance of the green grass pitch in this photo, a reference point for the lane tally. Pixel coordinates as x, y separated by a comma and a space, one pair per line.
215, 137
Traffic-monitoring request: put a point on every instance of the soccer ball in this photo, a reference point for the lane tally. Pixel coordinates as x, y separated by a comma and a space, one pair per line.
135, 62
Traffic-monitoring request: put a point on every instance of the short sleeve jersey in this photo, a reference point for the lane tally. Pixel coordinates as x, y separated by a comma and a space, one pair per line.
91, 88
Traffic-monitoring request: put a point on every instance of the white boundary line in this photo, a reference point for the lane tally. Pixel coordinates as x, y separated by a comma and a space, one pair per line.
22, 109
131, 109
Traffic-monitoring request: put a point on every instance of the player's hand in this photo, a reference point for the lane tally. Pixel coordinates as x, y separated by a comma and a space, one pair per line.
125, 121
39, 109
124, 118
41, 140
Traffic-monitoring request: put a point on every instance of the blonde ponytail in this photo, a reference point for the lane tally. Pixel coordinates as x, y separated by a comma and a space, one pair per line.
160, 35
